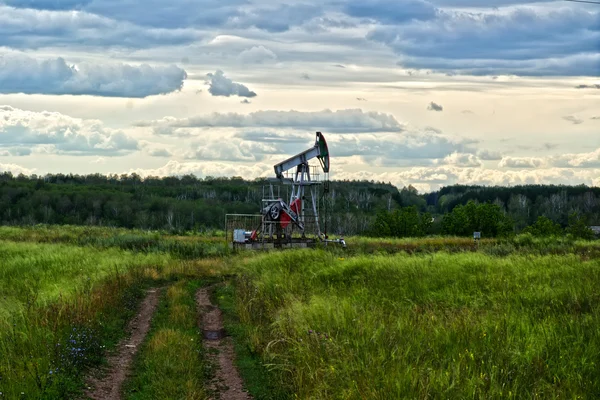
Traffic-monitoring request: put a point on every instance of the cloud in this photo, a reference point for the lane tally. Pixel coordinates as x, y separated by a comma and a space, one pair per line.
159, 152
49, 4
33, 29
276, 19
596, 86
257, 55
220, 85
246, 101
569, 160
55, 133
535, 41
305, 76
204, 169
577, 160
463, 160
489, 155
426, 178
521, 162
99, 161
150, 13
391, 11
224, 151
23, 74
573, 119
340, 121
399, 149
432, 178
15, 152
435, 107
16, 169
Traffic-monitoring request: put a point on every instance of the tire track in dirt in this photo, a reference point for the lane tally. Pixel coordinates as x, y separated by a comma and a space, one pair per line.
227, 383
109, 386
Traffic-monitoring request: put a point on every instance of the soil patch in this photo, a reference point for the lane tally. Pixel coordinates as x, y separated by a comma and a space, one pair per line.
109, 386
227, 383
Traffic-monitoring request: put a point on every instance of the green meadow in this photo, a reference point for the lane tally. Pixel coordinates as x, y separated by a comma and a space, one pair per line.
439, 325
386, 318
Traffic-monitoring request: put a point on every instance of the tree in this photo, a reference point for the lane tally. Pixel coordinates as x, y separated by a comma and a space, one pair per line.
578, 227
544, 227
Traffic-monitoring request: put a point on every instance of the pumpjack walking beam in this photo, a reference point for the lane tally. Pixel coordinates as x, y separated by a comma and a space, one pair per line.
319, 150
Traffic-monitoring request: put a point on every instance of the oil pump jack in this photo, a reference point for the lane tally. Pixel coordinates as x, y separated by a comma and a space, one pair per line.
295, 223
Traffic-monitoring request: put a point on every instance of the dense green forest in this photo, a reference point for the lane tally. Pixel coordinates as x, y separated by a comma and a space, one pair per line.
189, 203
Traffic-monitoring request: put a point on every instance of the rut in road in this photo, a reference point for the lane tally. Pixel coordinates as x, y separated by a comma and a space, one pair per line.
119, 365
227, 383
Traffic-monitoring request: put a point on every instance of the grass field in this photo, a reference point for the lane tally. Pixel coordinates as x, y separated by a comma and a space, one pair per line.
398, 318
433, 326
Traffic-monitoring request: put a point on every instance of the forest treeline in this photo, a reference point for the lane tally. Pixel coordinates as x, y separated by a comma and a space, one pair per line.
189, 203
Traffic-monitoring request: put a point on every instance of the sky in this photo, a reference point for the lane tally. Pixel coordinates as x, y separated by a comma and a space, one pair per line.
412, 92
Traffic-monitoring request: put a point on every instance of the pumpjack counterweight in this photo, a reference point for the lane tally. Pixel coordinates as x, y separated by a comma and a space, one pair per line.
292, 224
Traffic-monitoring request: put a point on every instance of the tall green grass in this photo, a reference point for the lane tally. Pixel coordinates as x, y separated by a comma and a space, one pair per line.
191, 246
523, 243
61, 307
171, 362
450, 326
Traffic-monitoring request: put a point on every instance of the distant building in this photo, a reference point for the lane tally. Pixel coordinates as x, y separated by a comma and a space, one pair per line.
596, 230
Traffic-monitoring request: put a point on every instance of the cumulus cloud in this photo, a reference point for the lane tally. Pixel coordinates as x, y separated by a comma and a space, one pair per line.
463, 160
220, 85
400, 149
23, 74
340, 121
434, 107
573, 119
577, 160
16, 169
432, 178
204, 169
55, 133
521, 162
257, 55
224, 151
